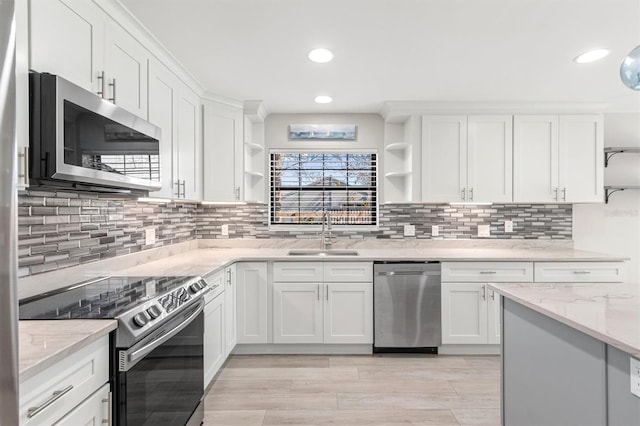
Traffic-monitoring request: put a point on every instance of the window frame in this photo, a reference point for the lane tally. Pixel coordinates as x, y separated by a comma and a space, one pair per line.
317, 227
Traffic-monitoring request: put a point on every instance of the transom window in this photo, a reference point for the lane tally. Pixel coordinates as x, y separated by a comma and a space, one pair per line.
304, 185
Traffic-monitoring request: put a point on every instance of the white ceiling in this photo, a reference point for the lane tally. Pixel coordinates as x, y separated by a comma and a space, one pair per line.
426, 50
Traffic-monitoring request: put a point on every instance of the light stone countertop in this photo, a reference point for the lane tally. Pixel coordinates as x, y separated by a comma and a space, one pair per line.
43, 343
203, 261
609, 312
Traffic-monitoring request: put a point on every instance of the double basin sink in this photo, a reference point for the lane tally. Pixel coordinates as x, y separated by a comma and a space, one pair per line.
322, 253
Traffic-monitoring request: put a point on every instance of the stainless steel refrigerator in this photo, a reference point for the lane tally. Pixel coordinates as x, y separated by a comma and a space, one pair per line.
8, 230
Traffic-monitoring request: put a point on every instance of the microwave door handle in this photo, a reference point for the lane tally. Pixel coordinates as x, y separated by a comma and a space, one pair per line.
138, 354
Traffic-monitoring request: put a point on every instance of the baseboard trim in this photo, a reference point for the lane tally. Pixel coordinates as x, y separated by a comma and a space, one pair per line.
302, 349
469, 350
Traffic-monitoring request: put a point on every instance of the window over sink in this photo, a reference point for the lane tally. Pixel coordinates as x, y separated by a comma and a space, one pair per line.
305, 184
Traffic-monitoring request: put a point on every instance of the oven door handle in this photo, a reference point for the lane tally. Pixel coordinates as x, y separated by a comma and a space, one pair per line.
138, 354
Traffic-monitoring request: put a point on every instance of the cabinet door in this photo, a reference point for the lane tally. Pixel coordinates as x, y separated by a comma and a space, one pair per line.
464, 313
21, 11
581, 158
444, 158
214, 345
95, 410
297, 313
163, 101
493, 320
490, 159
252, 305
189, 152
126, 62
67, 39
230, 309
535, 158
223, 152
348, 313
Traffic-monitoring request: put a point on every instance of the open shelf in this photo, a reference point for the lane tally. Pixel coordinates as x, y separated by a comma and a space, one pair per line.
397, 146
397, 174
610, 190
613, 150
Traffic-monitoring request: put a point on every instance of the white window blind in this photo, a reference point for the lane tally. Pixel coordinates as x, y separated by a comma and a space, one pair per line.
304, 185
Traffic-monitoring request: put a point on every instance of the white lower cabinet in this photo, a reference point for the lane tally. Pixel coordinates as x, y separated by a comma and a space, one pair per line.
94, 411
252, 308
55, 393
297, 313
230, 339
470, 314
323, 313
348, 313
214, 342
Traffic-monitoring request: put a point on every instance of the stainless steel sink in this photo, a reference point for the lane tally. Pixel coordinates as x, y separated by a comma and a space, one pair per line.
322, 253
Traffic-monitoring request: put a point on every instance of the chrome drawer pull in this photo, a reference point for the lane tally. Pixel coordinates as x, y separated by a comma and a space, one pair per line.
488, 272
107, 421
582, 272
33, 411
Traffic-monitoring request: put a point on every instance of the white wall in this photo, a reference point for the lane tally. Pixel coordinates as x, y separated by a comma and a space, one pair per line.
370, 131
614, 228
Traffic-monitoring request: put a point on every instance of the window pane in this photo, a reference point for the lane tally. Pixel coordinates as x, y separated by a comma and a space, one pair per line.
304, 185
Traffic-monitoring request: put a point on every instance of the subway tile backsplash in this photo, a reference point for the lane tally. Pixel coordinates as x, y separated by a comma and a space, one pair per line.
58, 229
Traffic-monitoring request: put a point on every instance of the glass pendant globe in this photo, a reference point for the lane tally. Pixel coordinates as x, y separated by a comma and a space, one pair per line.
630, 69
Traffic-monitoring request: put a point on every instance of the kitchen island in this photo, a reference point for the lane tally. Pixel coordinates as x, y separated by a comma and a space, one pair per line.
566, 353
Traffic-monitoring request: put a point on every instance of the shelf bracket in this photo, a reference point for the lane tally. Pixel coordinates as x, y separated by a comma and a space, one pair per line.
608, 155
609, 191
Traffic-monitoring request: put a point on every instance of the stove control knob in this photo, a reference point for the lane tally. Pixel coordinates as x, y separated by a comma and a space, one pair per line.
182, 294
140, 319
194, 288
202, 283
154, 312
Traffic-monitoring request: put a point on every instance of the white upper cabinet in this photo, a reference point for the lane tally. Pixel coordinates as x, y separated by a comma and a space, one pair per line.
67, 39
76, 40
558, 158
466, 158
489, 158
444, 158
174, 108
223, 152
189, 152
581, 144
125, 66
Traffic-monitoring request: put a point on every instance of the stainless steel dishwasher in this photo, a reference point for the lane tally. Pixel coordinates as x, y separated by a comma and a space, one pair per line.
407, 307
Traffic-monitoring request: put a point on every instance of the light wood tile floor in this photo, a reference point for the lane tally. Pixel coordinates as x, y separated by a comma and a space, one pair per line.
355, 390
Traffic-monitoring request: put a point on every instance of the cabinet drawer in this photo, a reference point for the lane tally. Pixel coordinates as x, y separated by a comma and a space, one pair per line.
572, 272
66, 383
474, 272
297, 272
95, 410
350, 272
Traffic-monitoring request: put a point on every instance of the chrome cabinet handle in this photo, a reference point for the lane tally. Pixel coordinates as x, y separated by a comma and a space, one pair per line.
178, 185
107, 421
484, 292
564, 194
463, 193
237, 193
229, 276
25, 157
101, 92
113, 90
488, 272
318, 292
555, 193
470, 194
33, 411
582, 272
184, 189
327, 287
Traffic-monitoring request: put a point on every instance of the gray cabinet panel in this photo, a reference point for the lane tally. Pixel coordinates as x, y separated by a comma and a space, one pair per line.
624, 407
552, 374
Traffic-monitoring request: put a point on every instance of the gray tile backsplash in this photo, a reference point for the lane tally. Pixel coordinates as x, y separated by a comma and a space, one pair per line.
58, 229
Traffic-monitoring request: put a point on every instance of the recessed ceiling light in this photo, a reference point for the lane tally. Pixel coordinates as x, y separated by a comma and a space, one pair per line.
323, 99
321, 55
591, 56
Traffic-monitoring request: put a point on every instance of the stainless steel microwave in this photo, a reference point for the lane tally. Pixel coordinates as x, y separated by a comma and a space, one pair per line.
79, 140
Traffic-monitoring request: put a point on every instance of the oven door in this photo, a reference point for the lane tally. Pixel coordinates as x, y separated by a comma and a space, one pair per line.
161, 378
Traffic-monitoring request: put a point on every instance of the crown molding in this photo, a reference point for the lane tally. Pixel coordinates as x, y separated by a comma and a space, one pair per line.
255, 111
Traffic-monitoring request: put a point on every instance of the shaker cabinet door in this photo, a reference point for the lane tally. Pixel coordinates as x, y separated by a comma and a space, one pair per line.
464, 313
297, 313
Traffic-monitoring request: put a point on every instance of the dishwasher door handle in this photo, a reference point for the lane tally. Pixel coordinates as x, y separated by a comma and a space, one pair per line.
405, 273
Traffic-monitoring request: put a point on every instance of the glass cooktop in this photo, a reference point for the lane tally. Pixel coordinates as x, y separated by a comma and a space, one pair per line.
101, 298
